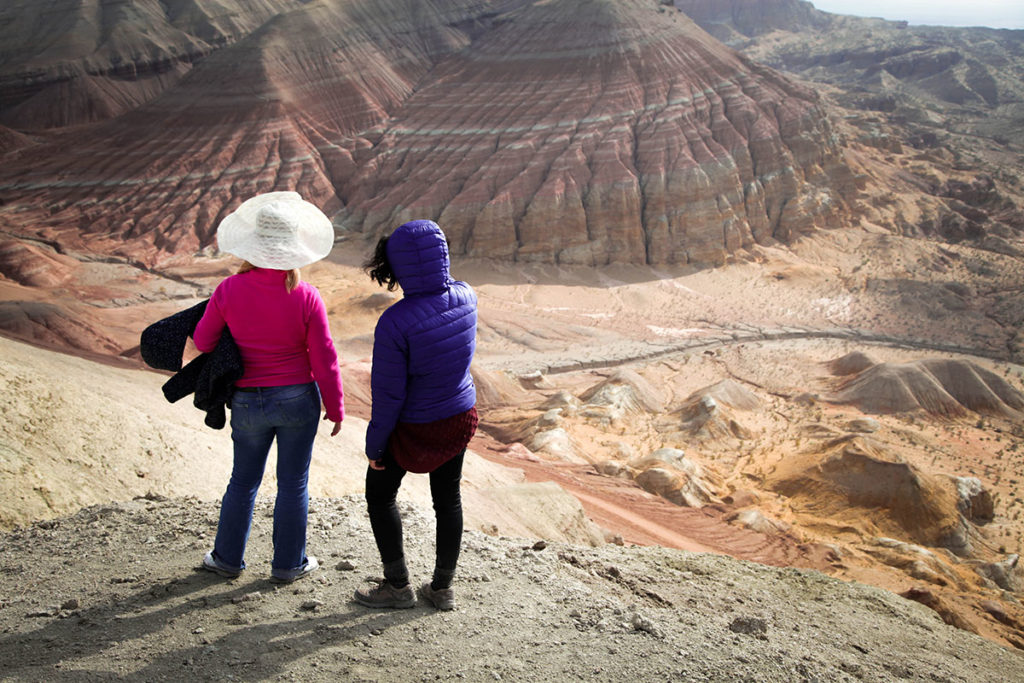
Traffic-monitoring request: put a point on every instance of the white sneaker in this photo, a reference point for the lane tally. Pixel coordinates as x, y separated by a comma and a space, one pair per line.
212, 564
290, 575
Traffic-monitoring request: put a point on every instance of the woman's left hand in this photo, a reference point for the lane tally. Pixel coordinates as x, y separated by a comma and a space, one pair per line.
376, 465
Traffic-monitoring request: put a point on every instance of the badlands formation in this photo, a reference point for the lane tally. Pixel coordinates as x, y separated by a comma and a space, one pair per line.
723, 309
500, 119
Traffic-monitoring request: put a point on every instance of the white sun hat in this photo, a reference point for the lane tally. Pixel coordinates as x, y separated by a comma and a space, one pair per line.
278, 230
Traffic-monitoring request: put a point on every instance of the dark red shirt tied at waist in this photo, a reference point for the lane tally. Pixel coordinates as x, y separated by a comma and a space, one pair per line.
424, 447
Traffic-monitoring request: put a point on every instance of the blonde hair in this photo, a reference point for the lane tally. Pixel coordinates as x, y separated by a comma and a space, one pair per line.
290, 282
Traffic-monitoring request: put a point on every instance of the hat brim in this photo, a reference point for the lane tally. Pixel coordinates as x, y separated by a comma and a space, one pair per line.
237, 235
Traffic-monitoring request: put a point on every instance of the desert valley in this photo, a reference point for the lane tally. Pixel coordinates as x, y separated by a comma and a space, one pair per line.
751, 284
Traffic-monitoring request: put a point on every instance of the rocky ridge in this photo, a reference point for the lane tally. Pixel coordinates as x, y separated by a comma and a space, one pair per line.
527, 610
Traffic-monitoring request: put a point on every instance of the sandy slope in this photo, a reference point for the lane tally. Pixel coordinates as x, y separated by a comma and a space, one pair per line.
75, 433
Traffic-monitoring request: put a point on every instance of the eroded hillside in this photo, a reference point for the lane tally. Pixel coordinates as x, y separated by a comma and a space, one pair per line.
499, 119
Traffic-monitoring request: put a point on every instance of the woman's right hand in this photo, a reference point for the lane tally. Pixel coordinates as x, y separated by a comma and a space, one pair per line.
337, 426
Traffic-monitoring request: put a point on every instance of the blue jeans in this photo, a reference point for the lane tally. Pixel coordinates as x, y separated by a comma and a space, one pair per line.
291, 414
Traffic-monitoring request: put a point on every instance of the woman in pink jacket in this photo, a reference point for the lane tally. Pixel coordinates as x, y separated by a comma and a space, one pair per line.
290, 366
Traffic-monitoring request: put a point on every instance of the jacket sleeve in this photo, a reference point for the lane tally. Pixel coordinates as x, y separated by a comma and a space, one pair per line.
388, 378
162, 344
323, 359
209, 327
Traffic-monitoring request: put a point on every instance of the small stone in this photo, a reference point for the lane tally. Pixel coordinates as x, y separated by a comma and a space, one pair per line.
311, 605
199, 629
540, 545
345, 566
642, 623
751, 626
996, 611
248, 597
866, 425
70, 604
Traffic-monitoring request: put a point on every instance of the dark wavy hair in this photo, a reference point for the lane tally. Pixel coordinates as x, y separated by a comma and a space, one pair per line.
379, 268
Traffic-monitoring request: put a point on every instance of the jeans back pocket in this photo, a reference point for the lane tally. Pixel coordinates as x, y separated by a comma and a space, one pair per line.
295, 405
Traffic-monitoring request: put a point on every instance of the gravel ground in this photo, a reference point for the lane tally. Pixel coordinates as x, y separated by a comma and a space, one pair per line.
114, 593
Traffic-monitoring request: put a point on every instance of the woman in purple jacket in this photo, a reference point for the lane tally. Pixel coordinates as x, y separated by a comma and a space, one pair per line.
424, 405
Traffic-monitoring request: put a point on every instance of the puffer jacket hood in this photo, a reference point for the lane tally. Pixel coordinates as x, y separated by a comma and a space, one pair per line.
418, 254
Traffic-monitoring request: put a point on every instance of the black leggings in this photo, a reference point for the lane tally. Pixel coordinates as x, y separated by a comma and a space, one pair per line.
381, 491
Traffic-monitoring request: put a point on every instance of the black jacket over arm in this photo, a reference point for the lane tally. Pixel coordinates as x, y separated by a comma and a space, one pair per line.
210, 376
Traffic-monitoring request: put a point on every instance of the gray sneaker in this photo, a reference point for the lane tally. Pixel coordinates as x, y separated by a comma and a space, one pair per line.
443, 598
386, 595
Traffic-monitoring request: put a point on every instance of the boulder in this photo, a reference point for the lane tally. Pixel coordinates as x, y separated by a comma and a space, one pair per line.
1007, 574
975, 501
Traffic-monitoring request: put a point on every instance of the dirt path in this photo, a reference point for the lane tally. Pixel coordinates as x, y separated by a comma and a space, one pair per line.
638, 529
736, 338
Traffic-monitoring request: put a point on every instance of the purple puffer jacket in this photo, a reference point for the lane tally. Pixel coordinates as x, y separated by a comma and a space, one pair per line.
424, 343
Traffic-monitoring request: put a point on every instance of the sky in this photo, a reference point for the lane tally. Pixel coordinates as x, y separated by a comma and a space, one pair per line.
993, 13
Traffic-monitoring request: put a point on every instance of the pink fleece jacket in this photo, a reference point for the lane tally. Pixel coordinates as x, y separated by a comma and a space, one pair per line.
284, 337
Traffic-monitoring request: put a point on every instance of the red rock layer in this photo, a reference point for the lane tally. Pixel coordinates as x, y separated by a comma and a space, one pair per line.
79, 61
11, 140
269, 112
594, 132
569, 131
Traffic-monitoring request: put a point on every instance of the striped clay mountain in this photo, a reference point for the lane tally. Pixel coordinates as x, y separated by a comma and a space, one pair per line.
565, 131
